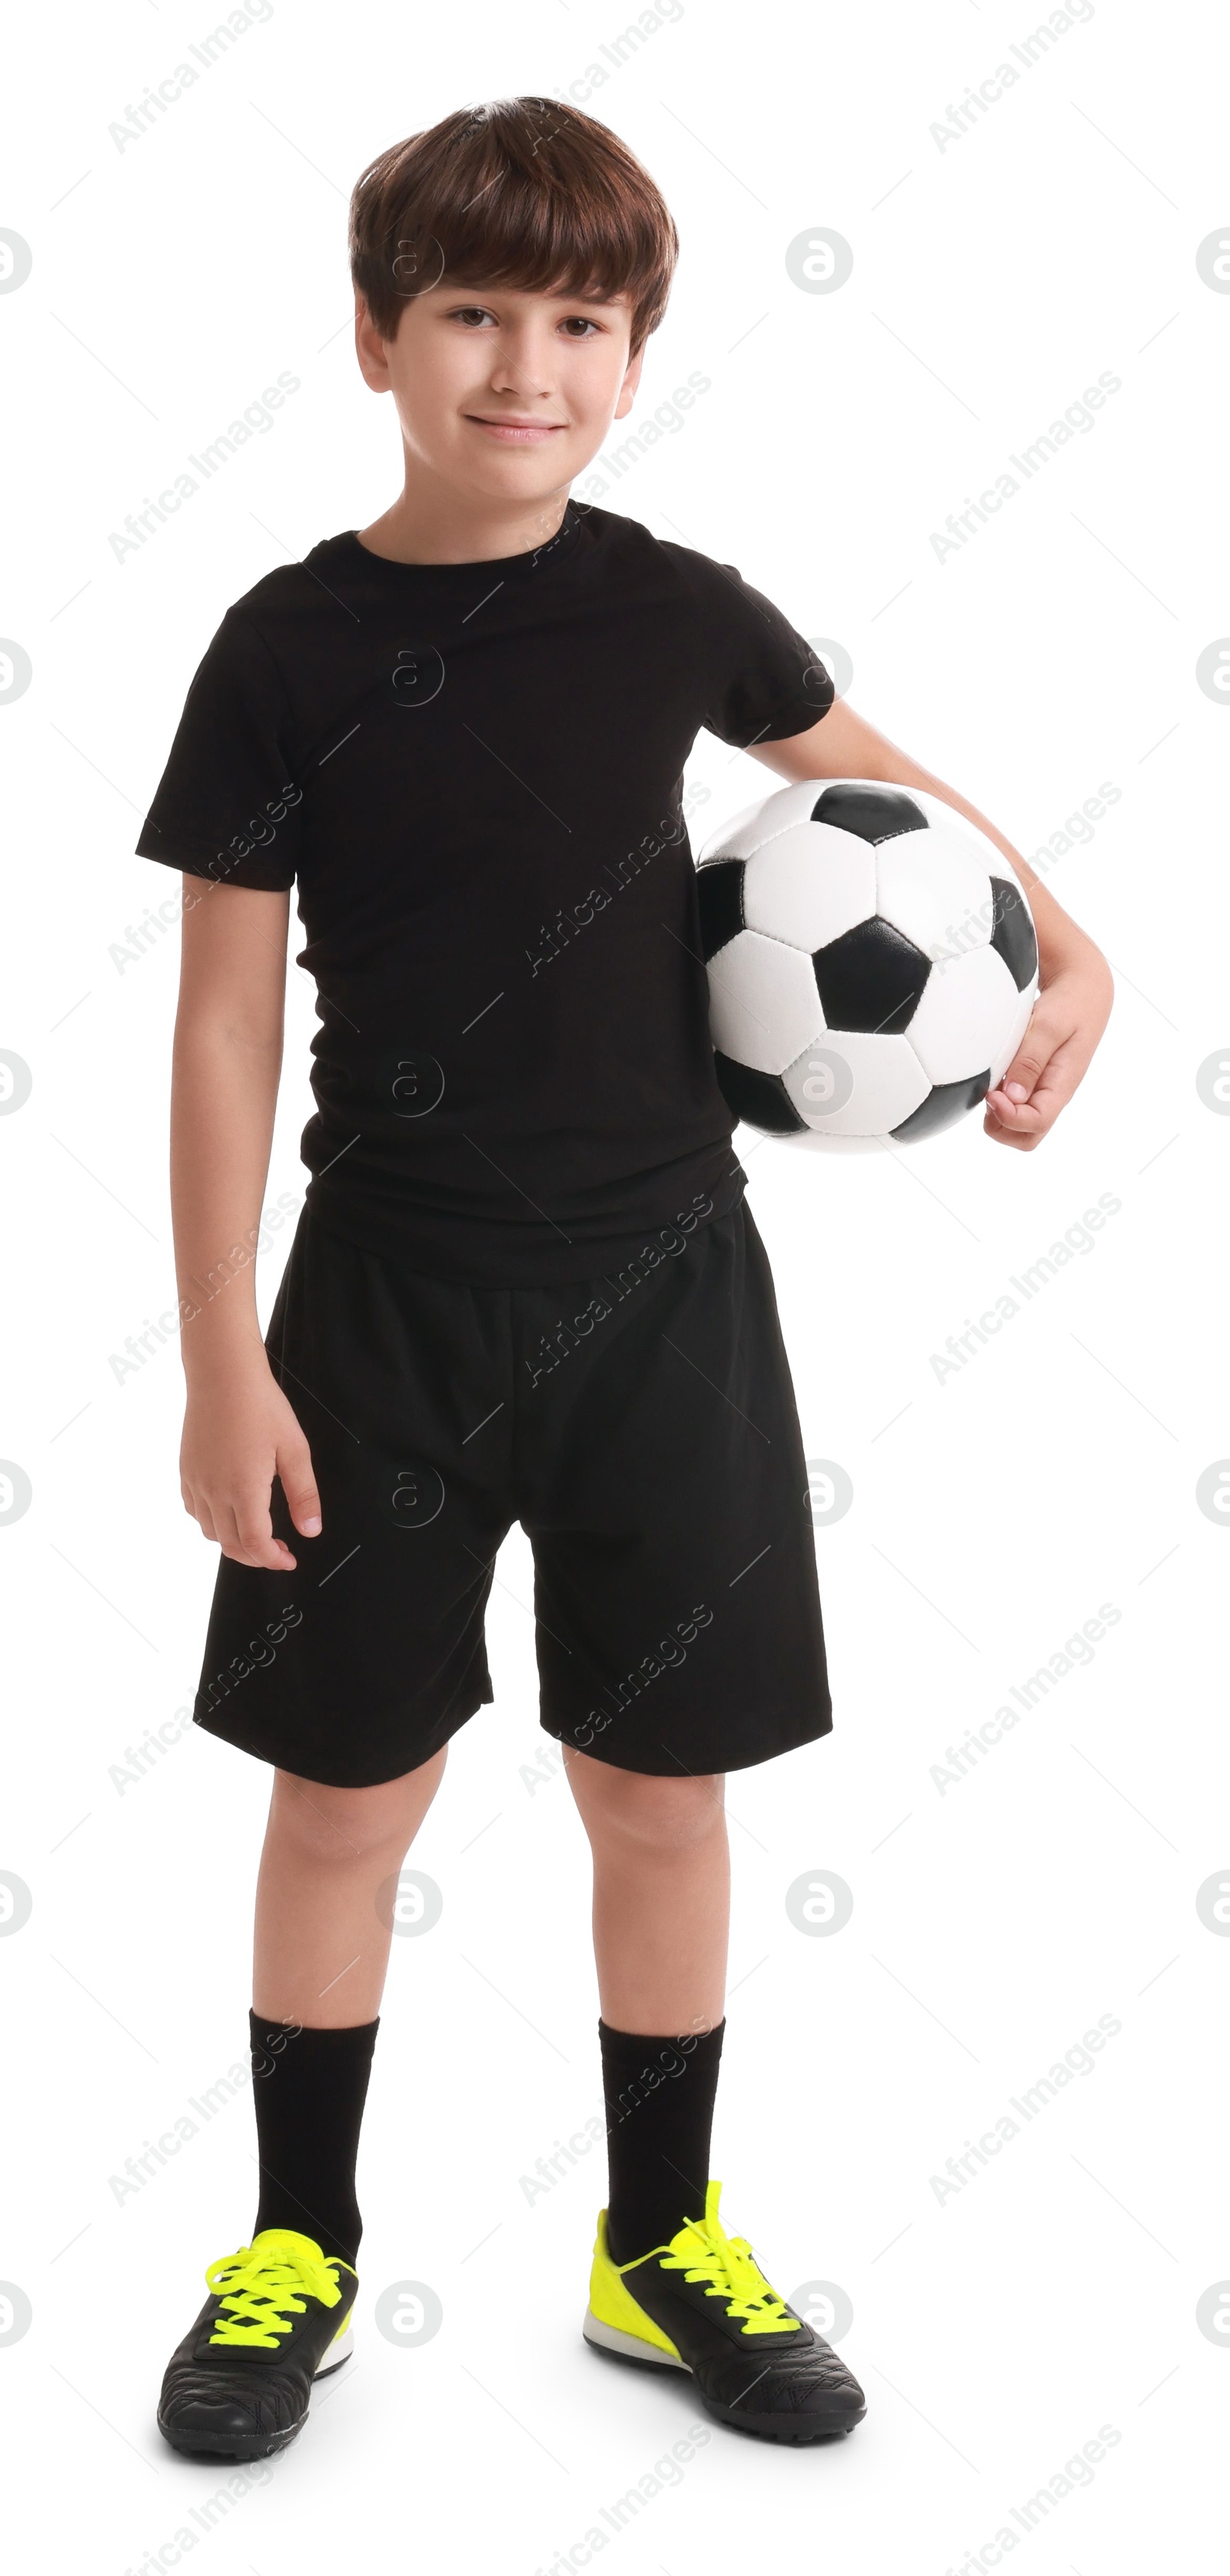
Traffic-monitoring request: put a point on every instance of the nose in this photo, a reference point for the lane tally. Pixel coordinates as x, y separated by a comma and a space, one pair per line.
523, 363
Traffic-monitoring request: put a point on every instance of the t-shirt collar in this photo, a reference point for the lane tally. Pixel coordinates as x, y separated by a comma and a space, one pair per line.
493, 567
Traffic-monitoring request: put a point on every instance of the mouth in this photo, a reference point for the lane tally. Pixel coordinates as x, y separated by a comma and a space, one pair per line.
516, 433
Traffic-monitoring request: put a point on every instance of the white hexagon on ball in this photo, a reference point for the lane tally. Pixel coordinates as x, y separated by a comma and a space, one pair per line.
753, 825
968, 1006
763, 1004
885, 1083
809, 884
936, 894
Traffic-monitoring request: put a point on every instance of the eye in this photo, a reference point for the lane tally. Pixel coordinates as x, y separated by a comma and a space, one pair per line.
578, 326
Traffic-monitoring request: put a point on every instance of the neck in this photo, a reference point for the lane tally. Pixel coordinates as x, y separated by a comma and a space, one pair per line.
432, 522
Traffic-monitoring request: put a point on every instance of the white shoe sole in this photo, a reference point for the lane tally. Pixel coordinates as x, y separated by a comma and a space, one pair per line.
335, 2354
613, 2339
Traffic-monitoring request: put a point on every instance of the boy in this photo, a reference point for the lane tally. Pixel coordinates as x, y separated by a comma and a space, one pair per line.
525, 1283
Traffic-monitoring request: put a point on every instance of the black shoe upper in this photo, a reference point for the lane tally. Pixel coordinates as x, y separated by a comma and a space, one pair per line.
241, 2396
784, 2372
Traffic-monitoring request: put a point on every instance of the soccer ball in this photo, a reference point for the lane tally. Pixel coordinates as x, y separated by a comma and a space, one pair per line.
872, 963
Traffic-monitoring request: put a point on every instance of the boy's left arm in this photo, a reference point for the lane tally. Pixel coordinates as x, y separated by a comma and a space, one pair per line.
1076, 986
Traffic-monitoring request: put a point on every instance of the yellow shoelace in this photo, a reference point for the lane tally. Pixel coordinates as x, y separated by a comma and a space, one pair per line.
261, 2288
703, 2251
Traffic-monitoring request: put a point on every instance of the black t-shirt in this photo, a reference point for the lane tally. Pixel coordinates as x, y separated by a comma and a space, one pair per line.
472, 773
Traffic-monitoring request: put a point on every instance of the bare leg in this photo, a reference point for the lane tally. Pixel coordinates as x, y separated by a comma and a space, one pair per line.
321, 1948
661, 1895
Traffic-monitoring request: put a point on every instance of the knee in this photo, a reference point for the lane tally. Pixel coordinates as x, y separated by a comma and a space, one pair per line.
637, 1814
345, 1828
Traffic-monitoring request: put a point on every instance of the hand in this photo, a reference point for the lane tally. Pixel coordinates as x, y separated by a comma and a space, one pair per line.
1065, 1026
239, 1432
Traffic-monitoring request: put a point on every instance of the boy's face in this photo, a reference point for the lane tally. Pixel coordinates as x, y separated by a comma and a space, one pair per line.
502, 393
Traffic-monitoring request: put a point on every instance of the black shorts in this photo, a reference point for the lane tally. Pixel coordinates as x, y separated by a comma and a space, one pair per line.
641, 1427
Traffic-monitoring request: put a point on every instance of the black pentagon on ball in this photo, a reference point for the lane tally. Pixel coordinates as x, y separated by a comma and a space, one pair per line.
1013, 932
872, 813
719, 892
870, 978
760, 1099
943, 1106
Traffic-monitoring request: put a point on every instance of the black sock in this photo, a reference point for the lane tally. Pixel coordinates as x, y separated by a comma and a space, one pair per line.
659, 2113
309, 2088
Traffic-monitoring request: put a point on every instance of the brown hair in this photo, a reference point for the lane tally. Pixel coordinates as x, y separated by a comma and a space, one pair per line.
518, 192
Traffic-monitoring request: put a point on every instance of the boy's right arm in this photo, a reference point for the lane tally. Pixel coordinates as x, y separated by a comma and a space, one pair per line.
239, 1429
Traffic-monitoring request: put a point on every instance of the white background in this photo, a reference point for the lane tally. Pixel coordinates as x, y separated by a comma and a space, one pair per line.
993, 1512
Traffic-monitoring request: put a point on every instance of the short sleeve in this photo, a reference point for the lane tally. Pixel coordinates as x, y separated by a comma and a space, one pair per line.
763, 679
228, 805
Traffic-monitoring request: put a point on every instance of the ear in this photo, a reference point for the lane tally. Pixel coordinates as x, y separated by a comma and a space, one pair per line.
371, 349
627, 390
